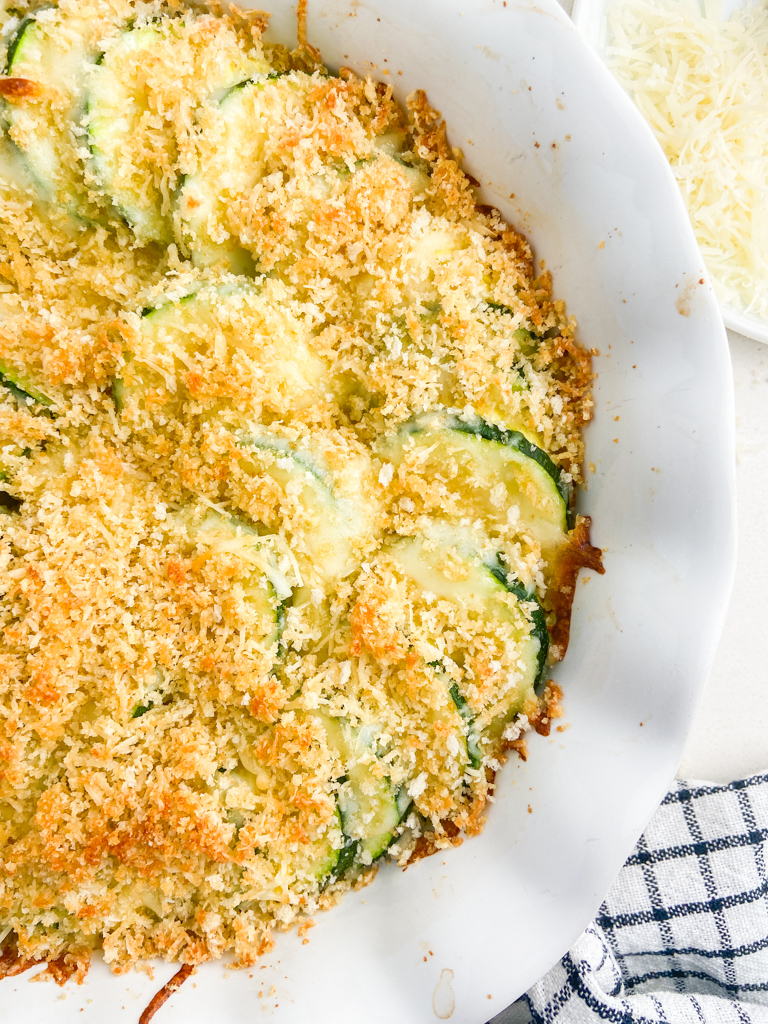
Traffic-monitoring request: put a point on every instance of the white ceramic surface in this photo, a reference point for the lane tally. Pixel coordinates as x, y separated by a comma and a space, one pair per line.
470, 930
589, 18
744, 323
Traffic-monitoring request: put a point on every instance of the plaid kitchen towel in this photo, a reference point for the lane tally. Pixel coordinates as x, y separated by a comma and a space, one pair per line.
682, 937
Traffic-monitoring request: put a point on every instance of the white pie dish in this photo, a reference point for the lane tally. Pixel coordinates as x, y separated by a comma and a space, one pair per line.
589, 16
600, 204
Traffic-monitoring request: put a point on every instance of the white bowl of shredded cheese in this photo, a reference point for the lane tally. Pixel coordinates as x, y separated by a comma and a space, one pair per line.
699, 75
558, 147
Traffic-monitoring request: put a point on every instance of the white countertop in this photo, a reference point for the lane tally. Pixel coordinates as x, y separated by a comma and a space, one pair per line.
729, 738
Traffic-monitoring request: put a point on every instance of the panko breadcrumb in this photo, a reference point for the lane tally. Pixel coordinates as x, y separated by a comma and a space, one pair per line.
289, 431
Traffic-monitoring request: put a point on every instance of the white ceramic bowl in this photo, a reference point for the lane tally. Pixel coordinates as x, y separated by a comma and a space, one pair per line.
589, 18
539, 118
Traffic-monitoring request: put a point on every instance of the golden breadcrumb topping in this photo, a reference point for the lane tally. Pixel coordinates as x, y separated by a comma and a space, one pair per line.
260, 621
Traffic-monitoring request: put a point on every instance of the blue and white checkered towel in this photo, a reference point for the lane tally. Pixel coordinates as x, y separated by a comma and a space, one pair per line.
682, 937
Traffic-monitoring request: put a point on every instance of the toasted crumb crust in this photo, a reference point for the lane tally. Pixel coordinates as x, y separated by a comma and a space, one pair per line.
168, 784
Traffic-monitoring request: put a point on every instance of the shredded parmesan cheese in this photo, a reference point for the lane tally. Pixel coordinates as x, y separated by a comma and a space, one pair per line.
701, 81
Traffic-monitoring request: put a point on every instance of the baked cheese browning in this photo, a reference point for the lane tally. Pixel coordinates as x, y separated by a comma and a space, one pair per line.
150, 736
289, 432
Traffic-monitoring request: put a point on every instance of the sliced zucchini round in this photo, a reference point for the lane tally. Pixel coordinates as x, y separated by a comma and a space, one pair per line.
132, 110
314, 862
261, 581
458, 716
469, 460
324, 527
505, 398
430, 561
263, 585
214, 348
17, 182
393, 144
50, 50
18, 393
330, 860
230, 143
369, 805
539, 478
132, 158
434, 245
528, 598
233, 142
445, 567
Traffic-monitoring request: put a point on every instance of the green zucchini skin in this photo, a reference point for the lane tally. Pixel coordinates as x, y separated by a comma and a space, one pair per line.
514, 439
9, 505
271, 443
27, 24
16, 42
377, 839
537, 616
55, 53
21, 396
370, 809
486, 580
474, 753
526, 338
22, 390
340, 520
347, 857
34, 402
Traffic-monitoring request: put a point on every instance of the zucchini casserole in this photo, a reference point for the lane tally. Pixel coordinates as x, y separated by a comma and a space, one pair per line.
289, 431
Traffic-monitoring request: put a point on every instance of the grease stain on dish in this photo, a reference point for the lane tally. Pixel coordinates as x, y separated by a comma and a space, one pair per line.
444, 999
489, 53
687, 294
